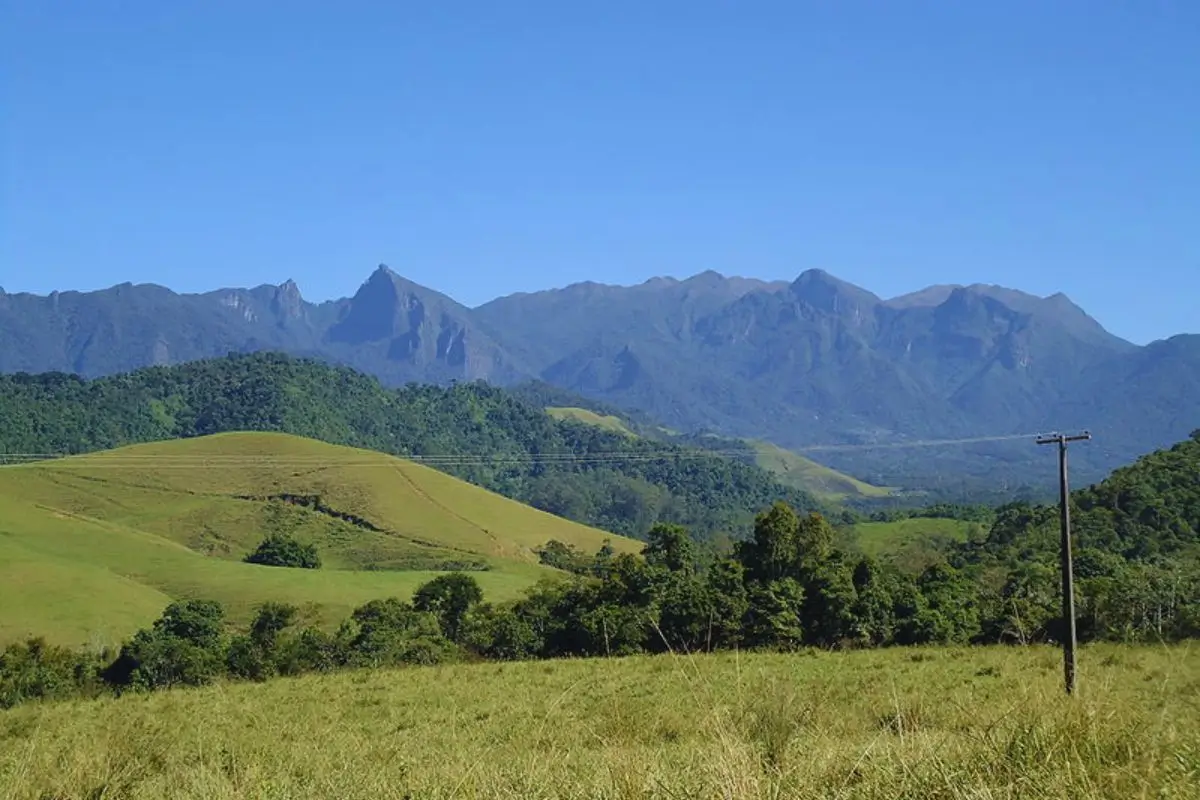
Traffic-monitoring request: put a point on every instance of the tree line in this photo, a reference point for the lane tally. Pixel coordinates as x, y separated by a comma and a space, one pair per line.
788, 586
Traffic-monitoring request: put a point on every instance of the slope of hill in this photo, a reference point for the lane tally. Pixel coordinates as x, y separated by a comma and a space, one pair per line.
789, 468
1146, 510
609, 422
479, 433
817, 361
96, 544
804, 473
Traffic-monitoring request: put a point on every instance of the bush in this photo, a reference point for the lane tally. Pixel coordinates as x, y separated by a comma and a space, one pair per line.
184, 647
35, 670
278, 550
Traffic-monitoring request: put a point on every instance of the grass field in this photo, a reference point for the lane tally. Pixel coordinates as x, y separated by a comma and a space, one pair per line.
900, 723
606, 421
879, 538
93, 547
795, 470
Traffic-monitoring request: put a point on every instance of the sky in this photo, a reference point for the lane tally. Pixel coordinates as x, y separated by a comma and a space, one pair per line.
491, 147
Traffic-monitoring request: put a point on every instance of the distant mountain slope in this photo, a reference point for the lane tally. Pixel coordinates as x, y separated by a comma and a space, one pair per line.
818, 361
553, 324
391, 327
804, 473
609, 422
98, 544
479, 433
790, 469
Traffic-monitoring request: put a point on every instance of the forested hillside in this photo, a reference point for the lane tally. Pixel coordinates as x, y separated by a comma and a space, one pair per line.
1137, 553
474, 431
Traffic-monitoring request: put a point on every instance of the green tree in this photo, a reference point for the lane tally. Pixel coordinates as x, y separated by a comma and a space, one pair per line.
829, 601
951, 605
814, 540
280, 550
35, 670
874, 610
392, 632
449, 597
257, 655
686, 614
185, 646
671, 547
730, 602
774, 550
773, 616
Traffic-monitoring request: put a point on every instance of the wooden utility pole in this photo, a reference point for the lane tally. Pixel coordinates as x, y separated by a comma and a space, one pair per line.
1068, 571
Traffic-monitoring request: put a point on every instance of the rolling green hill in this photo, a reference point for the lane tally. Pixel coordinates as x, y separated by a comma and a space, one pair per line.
479, 433
912, 544
787, 467
92, 547
608, 422
807, 475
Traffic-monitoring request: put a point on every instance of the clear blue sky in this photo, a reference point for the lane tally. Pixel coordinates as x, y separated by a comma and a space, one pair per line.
490, 147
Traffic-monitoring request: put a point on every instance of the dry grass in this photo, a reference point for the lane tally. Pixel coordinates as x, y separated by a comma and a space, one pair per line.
942, 723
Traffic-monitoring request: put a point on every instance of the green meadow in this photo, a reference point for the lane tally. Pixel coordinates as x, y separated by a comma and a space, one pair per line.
93, 547
984, 722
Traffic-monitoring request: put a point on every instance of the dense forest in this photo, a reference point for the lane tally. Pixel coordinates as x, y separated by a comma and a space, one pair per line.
494, 438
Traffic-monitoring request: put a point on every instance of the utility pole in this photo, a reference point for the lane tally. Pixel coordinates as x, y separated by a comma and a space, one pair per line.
1068, 572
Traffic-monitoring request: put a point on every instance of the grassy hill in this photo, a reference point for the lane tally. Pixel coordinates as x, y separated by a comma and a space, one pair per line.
793, 469
788, 468
608, 422
880, 538
911, 544
484, 435
94, 546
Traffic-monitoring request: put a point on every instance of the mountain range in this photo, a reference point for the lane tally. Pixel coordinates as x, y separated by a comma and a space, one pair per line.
816, 363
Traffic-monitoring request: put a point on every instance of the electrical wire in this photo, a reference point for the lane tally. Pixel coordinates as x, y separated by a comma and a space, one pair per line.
103, 459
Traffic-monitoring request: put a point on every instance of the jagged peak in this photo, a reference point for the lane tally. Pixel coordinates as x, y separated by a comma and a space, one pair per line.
386, 280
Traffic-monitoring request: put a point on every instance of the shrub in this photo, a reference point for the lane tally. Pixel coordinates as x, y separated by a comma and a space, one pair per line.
278, 550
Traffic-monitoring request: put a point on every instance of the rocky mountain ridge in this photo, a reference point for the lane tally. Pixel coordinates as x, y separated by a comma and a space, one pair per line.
817, 361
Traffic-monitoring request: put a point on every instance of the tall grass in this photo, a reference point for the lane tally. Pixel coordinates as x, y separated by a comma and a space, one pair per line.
931, 723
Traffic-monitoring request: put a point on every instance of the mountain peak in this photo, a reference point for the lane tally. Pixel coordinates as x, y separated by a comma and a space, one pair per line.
288, 300
819, 289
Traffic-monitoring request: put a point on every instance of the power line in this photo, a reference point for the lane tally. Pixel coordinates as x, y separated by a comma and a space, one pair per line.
190, 460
